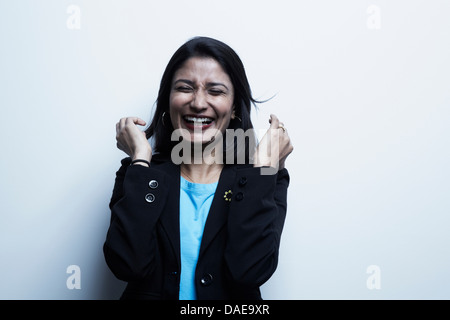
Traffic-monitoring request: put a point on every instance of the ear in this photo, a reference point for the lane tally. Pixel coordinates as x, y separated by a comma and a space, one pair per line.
233, 115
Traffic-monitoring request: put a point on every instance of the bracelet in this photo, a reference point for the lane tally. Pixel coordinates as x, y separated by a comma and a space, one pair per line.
140, 160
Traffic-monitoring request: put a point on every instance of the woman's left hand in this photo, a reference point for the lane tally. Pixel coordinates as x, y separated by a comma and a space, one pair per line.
274, 147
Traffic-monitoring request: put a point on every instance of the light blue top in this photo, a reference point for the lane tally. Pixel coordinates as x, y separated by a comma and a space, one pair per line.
195, 202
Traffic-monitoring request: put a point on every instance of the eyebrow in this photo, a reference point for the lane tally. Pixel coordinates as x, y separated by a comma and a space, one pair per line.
209, 84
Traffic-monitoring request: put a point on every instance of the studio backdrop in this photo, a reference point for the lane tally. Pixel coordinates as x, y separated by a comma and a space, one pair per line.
362, 86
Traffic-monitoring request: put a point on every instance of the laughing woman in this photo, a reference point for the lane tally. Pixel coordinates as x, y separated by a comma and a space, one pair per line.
202, 228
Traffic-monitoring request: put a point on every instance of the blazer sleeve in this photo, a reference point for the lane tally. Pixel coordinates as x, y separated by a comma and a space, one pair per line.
255, 222
131, 242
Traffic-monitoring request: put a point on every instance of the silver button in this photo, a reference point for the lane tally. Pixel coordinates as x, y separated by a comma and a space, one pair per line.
149, 197
153, 184
206, 280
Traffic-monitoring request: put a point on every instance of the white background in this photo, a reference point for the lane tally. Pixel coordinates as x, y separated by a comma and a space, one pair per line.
367, 110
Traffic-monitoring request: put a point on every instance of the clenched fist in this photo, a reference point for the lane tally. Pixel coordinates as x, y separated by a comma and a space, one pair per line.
274, 147
131, 140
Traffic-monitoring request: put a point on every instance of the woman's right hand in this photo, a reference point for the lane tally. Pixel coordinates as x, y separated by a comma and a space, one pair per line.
131, 140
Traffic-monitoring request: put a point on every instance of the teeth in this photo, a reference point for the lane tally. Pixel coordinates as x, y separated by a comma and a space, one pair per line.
195, 119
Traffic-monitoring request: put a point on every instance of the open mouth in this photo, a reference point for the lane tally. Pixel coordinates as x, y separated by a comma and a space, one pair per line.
197, 122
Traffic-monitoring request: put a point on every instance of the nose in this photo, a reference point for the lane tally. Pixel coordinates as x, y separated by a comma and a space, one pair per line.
200, 101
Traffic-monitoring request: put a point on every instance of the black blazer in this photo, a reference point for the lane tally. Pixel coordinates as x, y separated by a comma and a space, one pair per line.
241, 239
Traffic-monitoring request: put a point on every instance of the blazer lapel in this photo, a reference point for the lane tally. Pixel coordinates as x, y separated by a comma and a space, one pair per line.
218, 212
217, 215
170, 219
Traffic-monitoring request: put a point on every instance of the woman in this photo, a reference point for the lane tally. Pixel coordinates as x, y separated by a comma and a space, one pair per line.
203, 228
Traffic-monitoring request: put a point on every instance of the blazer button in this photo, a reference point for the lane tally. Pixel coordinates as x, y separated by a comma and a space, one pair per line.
239, 196
153, 184
206, 280
150, 197
242, 181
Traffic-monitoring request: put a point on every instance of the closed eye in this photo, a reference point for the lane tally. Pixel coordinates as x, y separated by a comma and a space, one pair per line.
184, 89
216, 92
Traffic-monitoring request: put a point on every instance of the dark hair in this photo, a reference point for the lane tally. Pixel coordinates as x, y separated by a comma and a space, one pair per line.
161, 129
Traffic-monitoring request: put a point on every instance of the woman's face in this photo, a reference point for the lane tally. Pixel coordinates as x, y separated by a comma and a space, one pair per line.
201, 99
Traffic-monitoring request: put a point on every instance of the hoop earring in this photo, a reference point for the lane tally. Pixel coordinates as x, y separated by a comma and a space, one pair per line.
233, 116
162, 118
